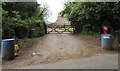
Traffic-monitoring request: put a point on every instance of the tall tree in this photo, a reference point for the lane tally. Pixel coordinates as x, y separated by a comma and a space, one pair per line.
91, 16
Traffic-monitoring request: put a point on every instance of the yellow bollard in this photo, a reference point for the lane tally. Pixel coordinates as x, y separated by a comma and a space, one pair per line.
17, 50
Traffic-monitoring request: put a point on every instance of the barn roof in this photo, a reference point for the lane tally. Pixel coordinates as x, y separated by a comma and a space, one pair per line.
61, 21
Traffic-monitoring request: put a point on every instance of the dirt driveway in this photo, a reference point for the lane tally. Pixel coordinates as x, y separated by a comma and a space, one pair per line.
54, 48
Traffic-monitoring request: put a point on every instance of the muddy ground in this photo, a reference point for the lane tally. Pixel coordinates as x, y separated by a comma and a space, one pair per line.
57, 47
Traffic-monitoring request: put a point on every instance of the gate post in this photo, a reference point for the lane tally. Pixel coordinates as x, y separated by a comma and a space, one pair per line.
45, 29
64, 27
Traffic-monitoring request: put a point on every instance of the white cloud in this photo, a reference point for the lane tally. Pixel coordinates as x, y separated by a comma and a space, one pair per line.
55, 7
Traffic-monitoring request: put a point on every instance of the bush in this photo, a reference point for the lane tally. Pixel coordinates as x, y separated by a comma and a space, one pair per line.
15, 27
8, 32
91, 16
117, 33
21, 32
22, 20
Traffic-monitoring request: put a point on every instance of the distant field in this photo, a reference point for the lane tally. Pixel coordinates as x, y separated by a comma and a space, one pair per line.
67, 29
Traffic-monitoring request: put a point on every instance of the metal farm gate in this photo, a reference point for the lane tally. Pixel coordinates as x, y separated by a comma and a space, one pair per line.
56, 28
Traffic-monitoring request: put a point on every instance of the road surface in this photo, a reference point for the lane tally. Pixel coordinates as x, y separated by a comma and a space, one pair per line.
99, 61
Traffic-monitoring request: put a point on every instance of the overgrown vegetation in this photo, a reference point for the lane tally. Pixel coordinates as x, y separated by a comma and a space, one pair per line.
21, 20
90, 17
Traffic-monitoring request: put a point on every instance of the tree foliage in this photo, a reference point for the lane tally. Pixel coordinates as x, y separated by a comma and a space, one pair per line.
91, 16
22, 20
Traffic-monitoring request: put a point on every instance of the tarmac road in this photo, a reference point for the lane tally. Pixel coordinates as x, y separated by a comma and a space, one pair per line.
107, 61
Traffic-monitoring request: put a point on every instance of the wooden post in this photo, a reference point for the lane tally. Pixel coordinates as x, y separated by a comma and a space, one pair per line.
45, 28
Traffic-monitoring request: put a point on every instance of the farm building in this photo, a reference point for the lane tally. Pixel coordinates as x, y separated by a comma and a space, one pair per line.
61, 21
